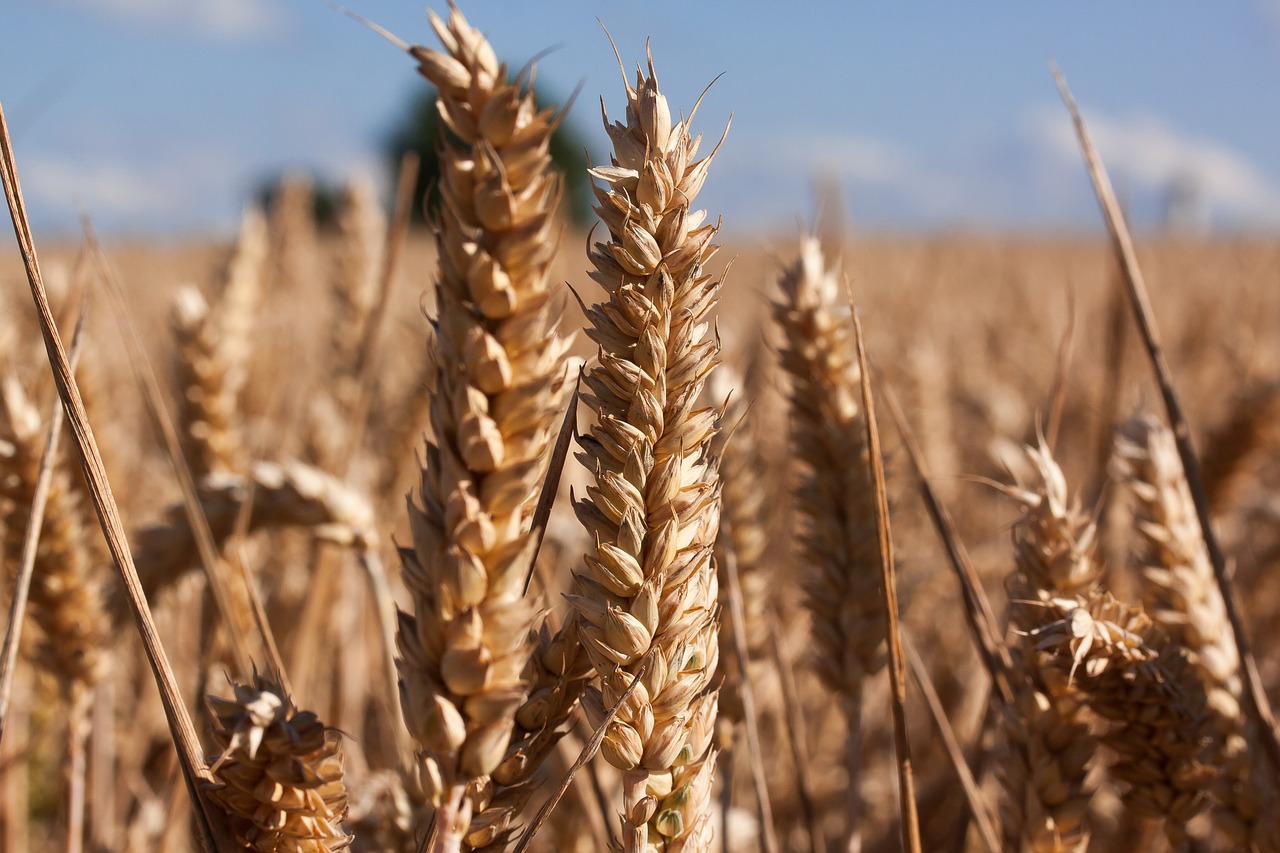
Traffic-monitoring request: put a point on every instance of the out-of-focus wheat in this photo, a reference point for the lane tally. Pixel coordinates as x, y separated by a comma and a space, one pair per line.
835, 501
1046, 801
1179, 585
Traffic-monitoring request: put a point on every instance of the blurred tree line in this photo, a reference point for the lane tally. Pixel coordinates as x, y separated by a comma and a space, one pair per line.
418, 130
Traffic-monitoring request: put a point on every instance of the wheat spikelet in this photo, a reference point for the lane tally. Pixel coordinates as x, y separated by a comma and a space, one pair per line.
834, 495
210, 439
279, 772
648, 595
362, 231
64, 595
291, 235
1046, 801
494, 409
1179, 584
558, 669
1135, 676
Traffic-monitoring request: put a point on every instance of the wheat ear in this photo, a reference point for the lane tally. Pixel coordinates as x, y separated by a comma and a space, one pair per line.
498, 385
278, 775
210, 438
648, 592
1179, 585
362, 232
237, 304
1135, 676
65, 593
1046, 801
834, 495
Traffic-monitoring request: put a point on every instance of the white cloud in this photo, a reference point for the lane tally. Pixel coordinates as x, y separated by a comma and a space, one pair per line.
1149, 154
231, 20
111, 187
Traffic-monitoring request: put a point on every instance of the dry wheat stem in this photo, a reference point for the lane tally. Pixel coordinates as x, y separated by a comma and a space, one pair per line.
648, 589
910, 823
498, 383
179, 722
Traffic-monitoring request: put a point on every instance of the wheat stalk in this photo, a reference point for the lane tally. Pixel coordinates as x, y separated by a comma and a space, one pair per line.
497, 387
648, 592
278, 775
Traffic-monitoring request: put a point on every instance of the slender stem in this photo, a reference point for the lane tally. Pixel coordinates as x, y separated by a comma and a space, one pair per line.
635, 825
450, 823
798, 738
853, 770
384, 608
78, 728
751, 717
889, 588
986, 826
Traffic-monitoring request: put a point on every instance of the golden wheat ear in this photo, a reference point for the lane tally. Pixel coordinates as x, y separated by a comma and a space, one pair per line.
647, 594
497, 388
278, 774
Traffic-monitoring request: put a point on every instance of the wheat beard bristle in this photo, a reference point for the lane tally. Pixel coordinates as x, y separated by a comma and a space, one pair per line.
495, 404
647, 595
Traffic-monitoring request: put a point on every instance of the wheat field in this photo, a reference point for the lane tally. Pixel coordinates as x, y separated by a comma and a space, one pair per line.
465, 538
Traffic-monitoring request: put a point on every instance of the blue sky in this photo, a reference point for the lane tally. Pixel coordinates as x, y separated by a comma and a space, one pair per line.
160, 116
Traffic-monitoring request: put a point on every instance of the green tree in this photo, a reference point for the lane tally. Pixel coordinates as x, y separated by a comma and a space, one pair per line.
419, 131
